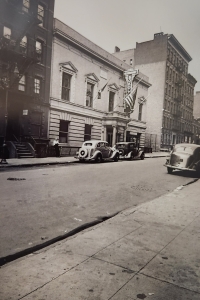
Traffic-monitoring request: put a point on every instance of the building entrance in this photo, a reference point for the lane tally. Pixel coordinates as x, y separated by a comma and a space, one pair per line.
13, 122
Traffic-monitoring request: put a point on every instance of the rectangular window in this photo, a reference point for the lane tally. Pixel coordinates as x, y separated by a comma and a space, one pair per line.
63, 131
23, 45
111, 101
36, 118
26, 5
89, 94
7, 32
41, 15
140, 112
169, 90
66, 84
37, 86
87, 133
38, 48
22, 84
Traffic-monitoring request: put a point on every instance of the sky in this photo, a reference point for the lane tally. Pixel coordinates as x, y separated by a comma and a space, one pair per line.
110, 23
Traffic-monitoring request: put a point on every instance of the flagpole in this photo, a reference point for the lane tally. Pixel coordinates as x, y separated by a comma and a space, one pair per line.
138, 82
97, 93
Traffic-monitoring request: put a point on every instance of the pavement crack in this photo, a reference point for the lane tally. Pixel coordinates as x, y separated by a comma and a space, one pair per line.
9, 258
168, 282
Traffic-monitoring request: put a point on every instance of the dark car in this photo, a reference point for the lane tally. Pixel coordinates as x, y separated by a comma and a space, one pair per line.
129, 150
184, 157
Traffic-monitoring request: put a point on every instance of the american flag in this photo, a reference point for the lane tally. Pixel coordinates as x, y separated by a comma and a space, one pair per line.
130, 99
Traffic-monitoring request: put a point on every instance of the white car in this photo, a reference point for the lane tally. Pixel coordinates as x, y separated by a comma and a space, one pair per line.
97, 151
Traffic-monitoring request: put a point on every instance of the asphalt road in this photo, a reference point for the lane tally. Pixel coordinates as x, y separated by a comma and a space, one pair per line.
39, 204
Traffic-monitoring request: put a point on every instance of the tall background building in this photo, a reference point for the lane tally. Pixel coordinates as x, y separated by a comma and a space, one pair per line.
25, 61
171, 97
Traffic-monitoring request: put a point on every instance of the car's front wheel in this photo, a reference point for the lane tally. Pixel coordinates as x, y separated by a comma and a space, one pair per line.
98, 158
169, 170
142, 156
116, 157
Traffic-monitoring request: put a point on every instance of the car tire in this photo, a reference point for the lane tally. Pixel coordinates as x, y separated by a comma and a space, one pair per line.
132, 156
121, 152
169, 170
98, 158
116, 158
142, 156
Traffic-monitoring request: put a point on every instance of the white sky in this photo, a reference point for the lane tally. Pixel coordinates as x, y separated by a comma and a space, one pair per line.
110, 23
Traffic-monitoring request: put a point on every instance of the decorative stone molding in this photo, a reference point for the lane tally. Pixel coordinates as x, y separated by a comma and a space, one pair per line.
91, 77
68, 67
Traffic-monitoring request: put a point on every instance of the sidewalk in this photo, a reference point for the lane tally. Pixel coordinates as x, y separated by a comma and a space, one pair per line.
146, 252
26, 162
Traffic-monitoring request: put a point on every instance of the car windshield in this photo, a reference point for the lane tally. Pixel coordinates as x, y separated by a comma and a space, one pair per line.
184, 149
121, 146
87, 144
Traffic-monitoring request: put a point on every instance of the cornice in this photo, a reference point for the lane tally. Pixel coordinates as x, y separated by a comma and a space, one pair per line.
59, 33
176, 43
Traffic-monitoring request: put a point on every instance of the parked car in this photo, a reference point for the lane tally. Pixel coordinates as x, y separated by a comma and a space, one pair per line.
184, 157
97, 151
129, 150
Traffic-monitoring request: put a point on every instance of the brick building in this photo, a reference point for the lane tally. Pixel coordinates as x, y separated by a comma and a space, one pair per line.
171, 97
80, 69
25, 61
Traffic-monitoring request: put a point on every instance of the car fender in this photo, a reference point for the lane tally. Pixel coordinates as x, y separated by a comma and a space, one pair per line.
129, 154
141, 152
113, 153
96, 153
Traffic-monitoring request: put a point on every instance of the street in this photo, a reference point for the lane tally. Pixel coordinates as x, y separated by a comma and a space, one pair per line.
40, 204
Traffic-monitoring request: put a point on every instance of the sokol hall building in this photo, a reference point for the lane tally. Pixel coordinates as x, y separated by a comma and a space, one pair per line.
87, 93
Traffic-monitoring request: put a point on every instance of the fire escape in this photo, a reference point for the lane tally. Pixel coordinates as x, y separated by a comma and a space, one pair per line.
16, 56
14, 49
177, 113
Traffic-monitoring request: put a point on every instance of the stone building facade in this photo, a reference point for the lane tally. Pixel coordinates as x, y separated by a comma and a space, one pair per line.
170, 103
87, 93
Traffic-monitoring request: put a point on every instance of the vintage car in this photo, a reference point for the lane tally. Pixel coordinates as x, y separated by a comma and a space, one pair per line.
184, 157
129, 150
97, 151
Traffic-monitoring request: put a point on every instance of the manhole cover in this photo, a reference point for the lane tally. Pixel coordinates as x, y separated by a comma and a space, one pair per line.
142, 188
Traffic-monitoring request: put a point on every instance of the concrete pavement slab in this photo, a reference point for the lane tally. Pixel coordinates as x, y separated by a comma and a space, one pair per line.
81, 283
30, 273
145, 287
136, 249
179, 262
103, 236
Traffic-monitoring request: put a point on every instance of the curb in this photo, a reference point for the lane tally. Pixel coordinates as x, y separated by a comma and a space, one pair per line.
55, 163
37, 164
